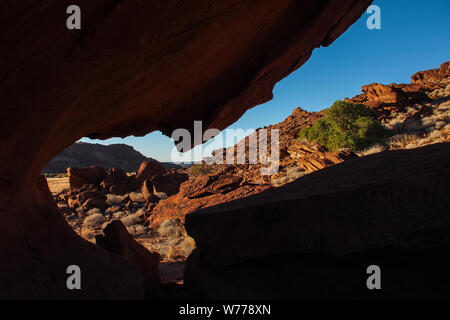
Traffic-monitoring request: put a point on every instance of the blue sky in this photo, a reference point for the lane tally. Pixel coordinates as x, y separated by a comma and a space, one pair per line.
414, 36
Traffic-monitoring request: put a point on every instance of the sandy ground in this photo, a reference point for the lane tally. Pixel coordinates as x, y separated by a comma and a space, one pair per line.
56, 185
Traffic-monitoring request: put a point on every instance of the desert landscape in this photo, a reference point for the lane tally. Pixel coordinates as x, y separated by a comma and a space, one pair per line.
152, 202
359, 185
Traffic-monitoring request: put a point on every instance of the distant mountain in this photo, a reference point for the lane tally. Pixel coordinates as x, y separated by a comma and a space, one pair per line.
83, 154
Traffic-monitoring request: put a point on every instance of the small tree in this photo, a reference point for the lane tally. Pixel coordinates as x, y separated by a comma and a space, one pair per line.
347, 125
200, 169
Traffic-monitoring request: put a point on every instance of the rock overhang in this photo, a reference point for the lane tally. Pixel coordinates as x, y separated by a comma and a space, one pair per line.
134, 67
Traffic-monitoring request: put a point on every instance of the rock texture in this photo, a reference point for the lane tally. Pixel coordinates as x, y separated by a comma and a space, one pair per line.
312, 157
316, 236
135, 67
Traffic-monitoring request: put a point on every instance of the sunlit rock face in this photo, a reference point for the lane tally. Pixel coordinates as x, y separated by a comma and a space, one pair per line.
134, 67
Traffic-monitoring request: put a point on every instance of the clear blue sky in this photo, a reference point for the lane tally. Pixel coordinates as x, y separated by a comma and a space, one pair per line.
414, 36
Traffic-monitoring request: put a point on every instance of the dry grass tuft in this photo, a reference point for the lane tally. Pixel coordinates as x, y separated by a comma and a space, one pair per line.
112, 199
372, 150
94, 220
176, 244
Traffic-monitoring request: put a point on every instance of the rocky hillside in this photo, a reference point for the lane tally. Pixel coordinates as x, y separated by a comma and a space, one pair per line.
418, 113
82, 155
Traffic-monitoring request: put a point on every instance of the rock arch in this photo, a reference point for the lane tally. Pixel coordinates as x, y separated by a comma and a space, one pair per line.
134, 67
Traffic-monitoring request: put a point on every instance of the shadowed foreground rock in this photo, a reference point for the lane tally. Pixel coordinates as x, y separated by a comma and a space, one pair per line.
133, 68
117, 240
315, 237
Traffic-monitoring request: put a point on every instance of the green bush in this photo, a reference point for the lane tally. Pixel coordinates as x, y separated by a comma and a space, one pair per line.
200, 169
347, 125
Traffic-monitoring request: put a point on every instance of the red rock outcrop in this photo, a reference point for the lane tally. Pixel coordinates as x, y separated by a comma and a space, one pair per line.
148, 192
204, 191
312, 157
432, 79
148, 170
315, 237
134, 67
394, 98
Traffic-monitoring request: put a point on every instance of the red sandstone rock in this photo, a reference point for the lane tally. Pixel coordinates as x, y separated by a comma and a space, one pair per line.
434, 78
387, 99
134, 68
95, 203
148, 192
117, 240
83, 196
73, 202
148, 170
79, 177
117, 182
177, 206
209, 184
312, 157
115, 176
79, 196
119, 189
169, 182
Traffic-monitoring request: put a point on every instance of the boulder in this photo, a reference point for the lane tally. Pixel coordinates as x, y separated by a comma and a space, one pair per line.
117, 240
115, 176
148, 192
95, 203
79, 177
119, 189
85, 195
79, 196
148, 170
169, 182
117, 182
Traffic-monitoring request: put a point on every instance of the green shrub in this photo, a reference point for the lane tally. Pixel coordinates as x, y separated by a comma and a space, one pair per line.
200, 169
347, 125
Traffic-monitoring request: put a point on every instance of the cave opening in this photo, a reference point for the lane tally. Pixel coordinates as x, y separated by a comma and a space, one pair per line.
114, 79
